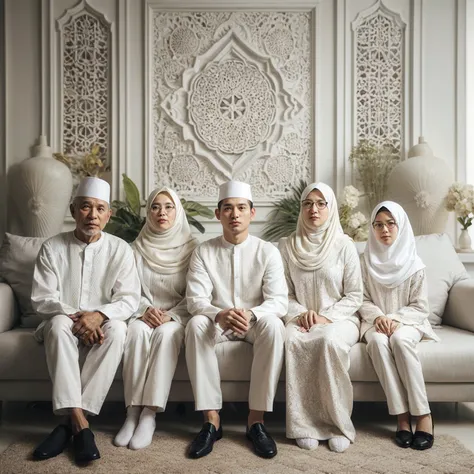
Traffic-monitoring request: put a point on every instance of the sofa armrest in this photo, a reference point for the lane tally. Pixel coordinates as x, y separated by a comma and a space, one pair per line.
9, 314
459, 311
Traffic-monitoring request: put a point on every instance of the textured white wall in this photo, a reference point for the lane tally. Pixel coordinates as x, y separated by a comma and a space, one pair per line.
436, 102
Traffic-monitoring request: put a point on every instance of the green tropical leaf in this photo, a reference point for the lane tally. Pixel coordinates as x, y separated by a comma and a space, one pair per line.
118, 204
132, 194
196, 224
282, 220
193, 208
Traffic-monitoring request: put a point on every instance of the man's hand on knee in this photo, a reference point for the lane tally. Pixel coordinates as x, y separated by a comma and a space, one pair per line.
235, 320
87, 327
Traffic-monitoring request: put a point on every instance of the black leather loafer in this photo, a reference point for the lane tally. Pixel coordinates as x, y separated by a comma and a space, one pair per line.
204, 441
422, 440
85, 449
263, 443
404, 438
54, 444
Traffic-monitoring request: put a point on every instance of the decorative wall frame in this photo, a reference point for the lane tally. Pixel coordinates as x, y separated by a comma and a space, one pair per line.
230, 100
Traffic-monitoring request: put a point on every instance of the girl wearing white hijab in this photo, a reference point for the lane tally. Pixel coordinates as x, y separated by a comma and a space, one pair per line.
395, 318
325, 291
156, 332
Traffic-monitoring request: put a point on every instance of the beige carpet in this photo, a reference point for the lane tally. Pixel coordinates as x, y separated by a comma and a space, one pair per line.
373, 452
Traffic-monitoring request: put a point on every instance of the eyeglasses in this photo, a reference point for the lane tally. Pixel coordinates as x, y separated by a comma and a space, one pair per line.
157, 208
379, 226
307, 204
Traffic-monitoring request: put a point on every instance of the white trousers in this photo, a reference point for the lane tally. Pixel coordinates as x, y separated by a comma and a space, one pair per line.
267, 336
149, 362
319, 394
73, 387
399, 370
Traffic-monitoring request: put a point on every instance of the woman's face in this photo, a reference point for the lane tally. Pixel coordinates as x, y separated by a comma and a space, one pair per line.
385, 228
163, 212
315, 209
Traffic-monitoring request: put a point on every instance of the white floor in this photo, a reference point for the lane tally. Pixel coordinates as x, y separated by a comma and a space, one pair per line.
21, 418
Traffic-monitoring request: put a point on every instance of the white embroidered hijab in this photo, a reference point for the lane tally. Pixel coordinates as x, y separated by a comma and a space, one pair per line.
168, 251
308, 248
392, 265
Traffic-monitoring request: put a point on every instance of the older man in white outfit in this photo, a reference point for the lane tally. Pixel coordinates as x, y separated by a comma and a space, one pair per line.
235, 291
85, 286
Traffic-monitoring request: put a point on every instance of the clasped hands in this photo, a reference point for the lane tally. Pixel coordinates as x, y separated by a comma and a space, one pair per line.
235, 320
154, 317
307, 320
385, 325
87, 327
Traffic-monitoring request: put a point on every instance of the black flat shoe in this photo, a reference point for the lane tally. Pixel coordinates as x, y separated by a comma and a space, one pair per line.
204, 441
423, 440
54, 444
263, 443
404, 438
85, 449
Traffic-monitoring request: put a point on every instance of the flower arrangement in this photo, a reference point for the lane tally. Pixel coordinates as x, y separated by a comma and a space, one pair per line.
93, 163
354, 223
374, 165
460, 199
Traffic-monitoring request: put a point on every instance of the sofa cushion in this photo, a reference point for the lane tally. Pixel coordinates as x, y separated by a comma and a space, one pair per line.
448, 361
17, 263
443, 270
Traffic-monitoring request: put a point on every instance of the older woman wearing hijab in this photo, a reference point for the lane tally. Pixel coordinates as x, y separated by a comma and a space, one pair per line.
325, 291
154, 339
395, 318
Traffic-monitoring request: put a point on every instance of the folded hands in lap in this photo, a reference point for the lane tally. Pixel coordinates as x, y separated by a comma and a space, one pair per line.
309, 319
385, 325
155, 317
87, 327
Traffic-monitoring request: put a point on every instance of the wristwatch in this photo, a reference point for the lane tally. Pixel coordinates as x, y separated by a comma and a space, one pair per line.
253, 318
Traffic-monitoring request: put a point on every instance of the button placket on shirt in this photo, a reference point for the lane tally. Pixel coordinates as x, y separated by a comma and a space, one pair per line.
86, 276
236, 264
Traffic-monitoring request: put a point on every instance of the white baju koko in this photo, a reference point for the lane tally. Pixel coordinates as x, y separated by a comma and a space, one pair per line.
151, 354
395, 287
72, 276
249, 276
323, 274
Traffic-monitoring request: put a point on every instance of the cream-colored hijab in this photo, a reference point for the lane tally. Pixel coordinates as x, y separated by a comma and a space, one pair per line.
309, 249
392, 265
169, 251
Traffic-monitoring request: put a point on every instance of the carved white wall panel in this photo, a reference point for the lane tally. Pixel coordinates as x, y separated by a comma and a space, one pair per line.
379, 36
86, 69
231, 98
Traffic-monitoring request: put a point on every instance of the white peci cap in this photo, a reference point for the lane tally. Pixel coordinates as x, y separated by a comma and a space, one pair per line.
235, 189
94, 188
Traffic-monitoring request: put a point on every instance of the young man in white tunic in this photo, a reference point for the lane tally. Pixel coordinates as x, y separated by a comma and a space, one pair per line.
395, 319
236, 291
325, 291
156, 331
85, 287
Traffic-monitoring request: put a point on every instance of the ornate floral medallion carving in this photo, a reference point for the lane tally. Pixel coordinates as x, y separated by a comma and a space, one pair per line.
230, 91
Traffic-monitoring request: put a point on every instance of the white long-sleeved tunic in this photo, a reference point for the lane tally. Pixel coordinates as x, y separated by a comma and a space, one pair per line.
407, 303
249, 275
72, 276
333, 291
162, 291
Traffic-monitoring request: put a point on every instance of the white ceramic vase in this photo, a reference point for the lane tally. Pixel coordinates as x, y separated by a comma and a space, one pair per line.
420, 185
464, 243
40, 191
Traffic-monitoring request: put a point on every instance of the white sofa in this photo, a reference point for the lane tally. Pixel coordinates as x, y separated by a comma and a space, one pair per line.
448, 366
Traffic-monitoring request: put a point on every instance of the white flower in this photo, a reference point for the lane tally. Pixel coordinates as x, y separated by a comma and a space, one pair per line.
423, 199
356, 220
350, 196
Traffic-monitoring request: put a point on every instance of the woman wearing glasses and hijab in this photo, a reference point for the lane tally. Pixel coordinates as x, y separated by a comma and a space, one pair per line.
325, 291
395, 319
154, 338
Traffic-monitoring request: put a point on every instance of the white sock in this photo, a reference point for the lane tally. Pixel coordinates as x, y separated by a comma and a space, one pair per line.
307, 443
145, 429
126, 432
339, 444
